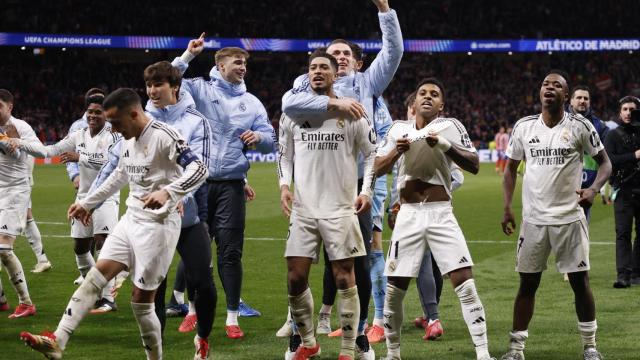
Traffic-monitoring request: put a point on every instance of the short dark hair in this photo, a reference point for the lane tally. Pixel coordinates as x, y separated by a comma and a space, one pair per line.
433, 81
162, 71
122, 98
321, 52
410, 100
6, 96
628, 99
94, 96
564, 74
355, 48
580, 87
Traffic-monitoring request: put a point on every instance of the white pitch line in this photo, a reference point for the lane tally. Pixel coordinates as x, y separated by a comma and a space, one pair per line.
505, 242
51, 223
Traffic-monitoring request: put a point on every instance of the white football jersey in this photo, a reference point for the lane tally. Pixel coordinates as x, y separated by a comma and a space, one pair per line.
16, 172
553, 159
93, 151
149, 163
323, 152
421, 161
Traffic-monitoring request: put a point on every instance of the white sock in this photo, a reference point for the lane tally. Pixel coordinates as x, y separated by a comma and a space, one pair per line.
588, 333
14, 269
302, 314
378, 322
349, 317
149, 326
179, 295
325, 309
32, 233
393, 316
517, 340
473, 314
107, 291
3, 299
232, 317
85, 262
81, 302
192, 310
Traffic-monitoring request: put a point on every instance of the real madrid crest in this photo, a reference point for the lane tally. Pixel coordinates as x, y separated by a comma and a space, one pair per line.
146, 150
340, 123
392, 266
565, 136
243, 107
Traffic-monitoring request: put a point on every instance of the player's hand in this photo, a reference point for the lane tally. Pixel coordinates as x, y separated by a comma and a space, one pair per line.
286, 198
76, 211
249, 193
250, 138
155, 200
393, 214
196, 46
402, 145
12, 145
382, 5
363, 204
586, 197
637, 153
69, 157
347, 108
11, 131
180, 208
508, 222
76, 182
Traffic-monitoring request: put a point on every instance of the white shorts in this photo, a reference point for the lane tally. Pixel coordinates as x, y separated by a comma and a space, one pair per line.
569, 242
426, 225
103, 221
341, 237
146, 247
13, 211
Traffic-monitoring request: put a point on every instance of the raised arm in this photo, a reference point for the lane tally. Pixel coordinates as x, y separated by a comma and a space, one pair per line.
384, 66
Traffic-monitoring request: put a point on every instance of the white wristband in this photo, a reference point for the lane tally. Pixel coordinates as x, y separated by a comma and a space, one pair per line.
187, 56
443, 144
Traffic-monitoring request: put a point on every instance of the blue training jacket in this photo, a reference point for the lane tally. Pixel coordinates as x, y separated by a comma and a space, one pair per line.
231, 110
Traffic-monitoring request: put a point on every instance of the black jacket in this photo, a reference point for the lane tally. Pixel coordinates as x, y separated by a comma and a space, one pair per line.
621, 145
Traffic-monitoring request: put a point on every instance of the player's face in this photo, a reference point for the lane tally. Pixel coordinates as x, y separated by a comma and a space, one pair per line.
5, 111
120, 121
343, 54
429, 102
161, 93
625, 111
553, 92
580, 102
321, 75
95, 117
233, 68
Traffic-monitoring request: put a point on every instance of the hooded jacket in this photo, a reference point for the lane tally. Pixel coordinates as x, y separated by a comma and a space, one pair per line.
231, 110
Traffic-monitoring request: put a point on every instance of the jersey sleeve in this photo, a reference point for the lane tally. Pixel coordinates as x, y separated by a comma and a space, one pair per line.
384, 66
389, 141
195, 172
366, 140
285, 152
457, 135
515, 148
591, 143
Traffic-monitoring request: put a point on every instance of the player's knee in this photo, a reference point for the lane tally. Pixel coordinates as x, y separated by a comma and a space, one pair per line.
297, 282
6, 252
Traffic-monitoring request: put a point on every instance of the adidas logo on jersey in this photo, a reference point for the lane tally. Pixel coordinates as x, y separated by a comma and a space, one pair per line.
106, 228
126, 154
582, 264
463, 260
306, 125
4, 227
354, 250
82, 145
534, 140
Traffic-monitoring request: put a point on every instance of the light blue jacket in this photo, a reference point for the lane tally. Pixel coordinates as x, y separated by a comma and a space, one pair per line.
231, 111
365, 87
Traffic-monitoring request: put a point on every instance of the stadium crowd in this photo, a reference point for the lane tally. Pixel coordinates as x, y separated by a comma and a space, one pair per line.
436, 19
485, 90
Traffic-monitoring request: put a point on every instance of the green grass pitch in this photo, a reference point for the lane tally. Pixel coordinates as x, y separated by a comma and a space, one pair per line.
478, 206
